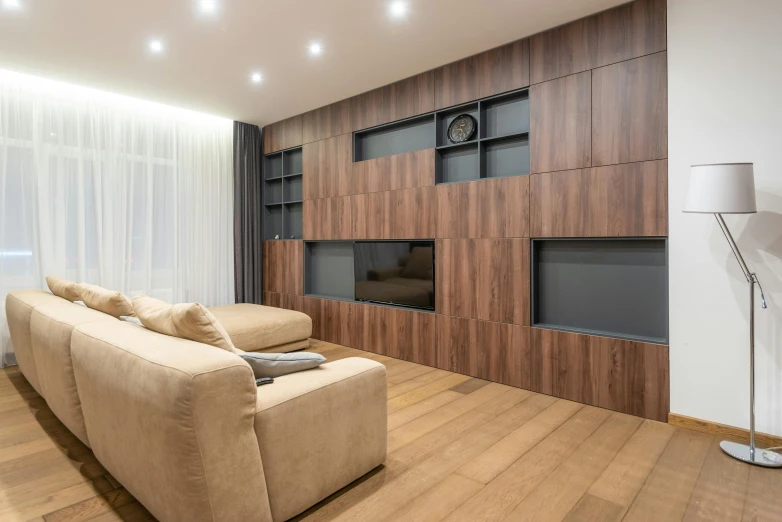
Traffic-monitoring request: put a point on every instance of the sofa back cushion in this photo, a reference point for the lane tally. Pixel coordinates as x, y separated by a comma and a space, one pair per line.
172, 420
51, 327
191, 321
63, 288
107, 301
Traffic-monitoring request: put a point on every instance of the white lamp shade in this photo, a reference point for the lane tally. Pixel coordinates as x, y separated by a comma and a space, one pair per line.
727, 188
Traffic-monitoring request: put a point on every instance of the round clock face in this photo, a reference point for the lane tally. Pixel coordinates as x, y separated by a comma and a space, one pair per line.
461, 129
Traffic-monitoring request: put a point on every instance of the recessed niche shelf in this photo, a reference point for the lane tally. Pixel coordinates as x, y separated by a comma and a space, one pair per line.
445, 117
457, 162
607, 287
282, 194
394, 138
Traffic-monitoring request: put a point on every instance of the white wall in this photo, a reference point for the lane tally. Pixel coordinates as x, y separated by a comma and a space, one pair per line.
725, 105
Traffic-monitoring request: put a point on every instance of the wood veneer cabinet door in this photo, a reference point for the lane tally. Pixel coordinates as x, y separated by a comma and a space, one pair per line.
403, 334
395, 214
283, 135
401, 171
630, 111
561, 123
327, 218
373, 108
485, 279
283, 267
631, 30
493, 351
328, 121
333, 321
486, 208
327, 167
627, 376
504, 69
414, 95
626, 200
457, 82
564, 50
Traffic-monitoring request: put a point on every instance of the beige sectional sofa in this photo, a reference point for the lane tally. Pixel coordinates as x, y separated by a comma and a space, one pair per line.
183, 426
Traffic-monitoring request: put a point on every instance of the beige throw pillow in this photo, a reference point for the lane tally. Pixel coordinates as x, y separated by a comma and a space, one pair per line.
63, 288
186, 320
106, 301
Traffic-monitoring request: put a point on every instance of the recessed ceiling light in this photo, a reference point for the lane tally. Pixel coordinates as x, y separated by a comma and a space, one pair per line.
156, 46
12, 5
398, 9
208, 6
316, 49
256, 77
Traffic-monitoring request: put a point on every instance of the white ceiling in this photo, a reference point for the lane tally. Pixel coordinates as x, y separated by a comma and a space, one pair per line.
208, 60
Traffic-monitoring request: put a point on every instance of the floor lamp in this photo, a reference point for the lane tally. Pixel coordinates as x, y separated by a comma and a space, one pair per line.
729, 188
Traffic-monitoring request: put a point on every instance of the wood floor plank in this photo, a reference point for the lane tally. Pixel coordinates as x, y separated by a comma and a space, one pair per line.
505, 452
560, 492
764, 495
402, 417
719, 491
424, 392
409, 374
501, 496
422, 380
595, 509
439, 501
92, 507
470, 386
623, 478
666, 492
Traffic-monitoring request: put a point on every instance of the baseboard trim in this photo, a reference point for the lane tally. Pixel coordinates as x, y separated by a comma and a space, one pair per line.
715, 428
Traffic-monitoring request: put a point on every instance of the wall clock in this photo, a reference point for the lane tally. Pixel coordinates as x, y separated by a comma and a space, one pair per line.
462, 128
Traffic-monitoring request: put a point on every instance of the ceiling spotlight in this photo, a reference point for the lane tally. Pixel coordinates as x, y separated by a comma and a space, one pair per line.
156, 46
316, 49
398, 9
208, 6
12, 5
256, 77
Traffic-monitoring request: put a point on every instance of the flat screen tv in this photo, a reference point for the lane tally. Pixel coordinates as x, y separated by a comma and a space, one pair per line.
395, 272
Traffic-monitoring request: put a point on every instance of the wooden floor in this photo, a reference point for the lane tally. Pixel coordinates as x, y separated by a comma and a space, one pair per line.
459, 449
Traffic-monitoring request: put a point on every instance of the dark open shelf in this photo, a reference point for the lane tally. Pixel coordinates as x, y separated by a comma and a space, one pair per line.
282, 194
394, 138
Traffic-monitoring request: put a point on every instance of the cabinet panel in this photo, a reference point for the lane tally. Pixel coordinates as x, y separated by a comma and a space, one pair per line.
327, 218
631, 30
560, 123
414, 95
398, 333
630, 111
456, 83
327, 167
627, 200
490, 208
373, 108
328, 121
564, 50
401, 171
504, 69
485, 279
396, 214
283, 267
283, 135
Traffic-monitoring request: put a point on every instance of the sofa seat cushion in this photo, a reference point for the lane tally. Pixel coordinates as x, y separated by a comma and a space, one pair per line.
19, 306
392, 293
320, 430
255, 327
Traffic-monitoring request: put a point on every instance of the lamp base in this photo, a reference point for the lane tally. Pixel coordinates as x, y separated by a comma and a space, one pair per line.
765, 458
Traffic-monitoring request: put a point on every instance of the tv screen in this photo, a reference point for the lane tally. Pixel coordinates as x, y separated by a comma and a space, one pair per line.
395, 272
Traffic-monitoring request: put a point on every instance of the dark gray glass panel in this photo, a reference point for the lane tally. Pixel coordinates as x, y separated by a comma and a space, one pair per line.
445, 118
272, 222
293, 221
329, 269
506, 157
616, 287
292, 160
274, 191
272, 167
397, 138
293, 189
505, 115
458, 164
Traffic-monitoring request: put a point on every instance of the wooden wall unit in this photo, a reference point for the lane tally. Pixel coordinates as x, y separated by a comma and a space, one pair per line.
598, 148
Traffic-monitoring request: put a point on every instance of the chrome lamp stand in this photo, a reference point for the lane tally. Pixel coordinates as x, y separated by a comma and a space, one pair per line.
749, 453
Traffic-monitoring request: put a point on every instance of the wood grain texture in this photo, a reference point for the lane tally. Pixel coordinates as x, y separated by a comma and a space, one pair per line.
332, 320
564, 50
396, 332
627, 200
326, 122
631, 30
626, 376
327, 167
283, 135
630, 111
401, 171
722, 430
396, 214
414, 95
374, 107
561, 123
456, 83
485, 279
484, 209
283, 266
494, 351
595, 509
504, 68
328, 218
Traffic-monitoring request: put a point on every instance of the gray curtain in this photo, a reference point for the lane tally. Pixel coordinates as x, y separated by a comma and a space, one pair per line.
248, 214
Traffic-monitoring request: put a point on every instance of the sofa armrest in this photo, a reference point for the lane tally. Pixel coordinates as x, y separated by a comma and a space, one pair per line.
319, 430
382, 274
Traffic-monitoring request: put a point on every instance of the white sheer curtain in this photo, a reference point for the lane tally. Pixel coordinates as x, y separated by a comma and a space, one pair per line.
129, 195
